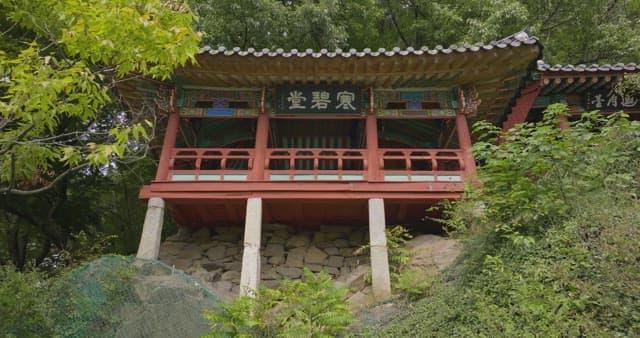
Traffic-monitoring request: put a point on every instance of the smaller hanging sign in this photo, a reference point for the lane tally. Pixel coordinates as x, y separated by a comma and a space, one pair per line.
606, 99
318, 99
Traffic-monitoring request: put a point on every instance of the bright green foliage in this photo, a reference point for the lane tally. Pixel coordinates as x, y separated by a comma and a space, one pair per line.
551, 238
55, 115
310, 308
25, 304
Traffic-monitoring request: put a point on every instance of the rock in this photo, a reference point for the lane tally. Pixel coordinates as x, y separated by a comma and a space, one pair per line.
276, 260
276, 240
353, 262
356, 279
345, 270
332, 251
223, 285
314, 267
297, 241
201, 233
341, 243
182, 235
347, 252
230, 275
335, 261
232, 250
228, 237
359, 300
233, 265
182, 263
210, 266
281, 233
324, 245
190, 252
292, 273
272, 284
314, 256
295, 257
273, 250
172, 248
331, 236
429, 251
269, 274
217, 252
331, 270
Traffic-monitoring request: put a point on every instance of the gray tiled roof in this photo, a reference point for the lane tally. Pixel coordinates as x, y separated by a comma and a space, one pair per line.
543, 67
514, 40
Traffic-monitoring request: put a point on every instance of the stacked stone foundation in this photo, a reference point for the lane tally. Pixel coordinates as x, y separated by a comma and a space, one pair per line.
214, 256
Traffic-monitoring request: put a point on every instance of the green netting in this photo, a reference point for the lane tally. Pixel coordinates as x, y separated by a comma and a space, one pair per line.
123, 297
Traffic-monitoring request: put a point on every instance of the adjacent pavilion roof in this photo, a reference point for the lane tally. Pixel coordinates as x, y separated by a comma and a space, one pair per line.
570, 79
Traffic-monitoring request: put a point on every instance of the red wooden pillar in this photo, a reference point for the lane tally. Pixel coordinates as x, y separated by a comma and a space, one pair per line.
464, 141
262, 140
371, 128
169, 141
564, 122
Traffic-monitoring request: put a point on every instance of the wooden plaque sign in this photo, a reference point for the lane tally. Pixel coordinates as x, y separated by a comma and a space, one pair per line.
318, 99
606, 99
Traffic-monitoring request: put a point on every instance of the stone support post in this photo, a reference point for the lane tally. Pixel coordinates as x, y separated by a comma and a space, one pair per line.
152, 230
250, 275
380, 279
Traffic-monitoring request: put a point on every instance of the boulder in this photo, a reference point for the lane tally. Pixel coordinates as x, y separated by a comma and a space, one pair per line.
354, 280
341, 243
182, 263
335, 261
276, 240
295, 257
314, 267
272, 283
314, 256
347, 252
297, 241
292, 273
429, 251
190, 252
331, 270
269, 274
332, 251
230, 275
276, 260
273, 250
216, 252
232, 250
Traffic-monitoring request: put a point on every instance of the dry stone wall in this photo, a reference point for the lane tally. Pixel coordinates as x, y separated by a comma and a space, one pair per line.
214, 256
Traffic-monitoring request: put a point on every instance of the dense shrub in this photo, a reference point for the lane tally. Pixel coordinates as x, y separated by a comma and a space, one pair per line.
551, 237
313, 307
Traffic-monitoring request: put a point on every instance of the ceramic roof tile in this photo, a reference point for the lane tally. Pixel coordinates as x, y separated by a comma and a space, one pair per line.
514, 40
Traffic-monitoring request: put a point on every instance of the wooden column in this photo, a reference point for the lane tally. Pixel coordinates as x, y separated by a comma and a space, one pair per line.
262, 140
564, 122
464, 141
169, 141
371, 128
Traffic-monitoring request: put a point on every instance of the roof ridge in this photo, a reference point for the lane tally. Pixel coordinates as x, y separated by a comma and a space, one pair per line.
514, 40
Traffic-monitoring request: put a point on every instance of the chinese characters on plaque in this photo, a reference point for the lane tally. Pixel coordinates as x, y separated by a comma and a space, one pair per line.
606, 99
330, 99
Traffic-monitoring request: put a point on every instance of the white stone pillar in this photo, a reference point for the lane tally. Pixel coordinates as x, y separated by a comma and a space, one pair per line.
380, 280
152, 229
250, 275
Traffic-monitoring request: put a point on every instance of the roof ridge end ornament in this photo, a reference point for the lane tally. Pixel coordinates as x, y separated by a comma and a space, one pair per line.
468, 97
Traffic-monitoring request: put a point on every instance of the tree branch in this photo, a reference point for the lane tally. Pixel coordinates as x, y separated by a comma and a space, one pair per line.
11, 190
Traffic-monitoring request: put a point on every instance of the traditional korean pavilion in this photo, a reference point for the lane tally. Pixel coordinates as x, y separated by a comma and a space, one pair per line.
334, 137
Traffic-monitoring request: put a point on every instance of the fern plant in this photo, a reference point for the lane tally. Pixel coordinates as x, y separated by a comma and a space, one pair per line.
312, 307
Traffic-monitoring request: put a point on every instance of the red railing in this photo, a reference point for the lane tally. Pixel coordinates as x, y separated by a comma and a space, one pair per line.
314, 164
421, 164
210, 164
